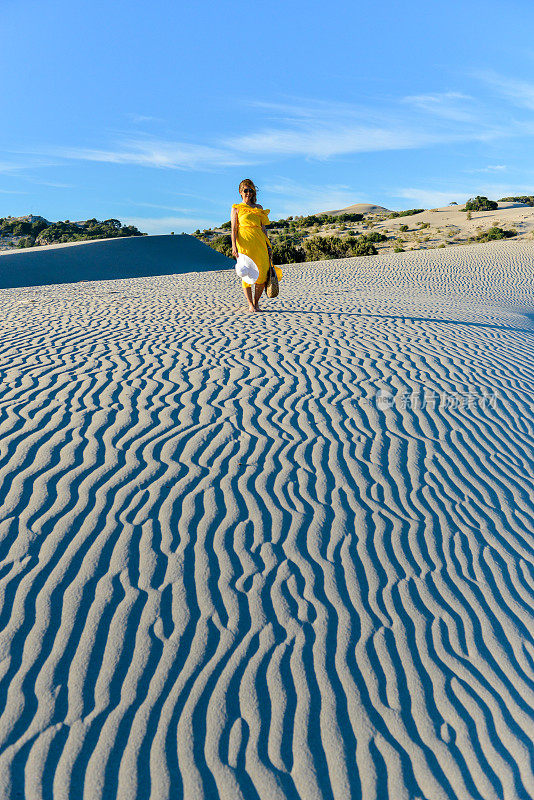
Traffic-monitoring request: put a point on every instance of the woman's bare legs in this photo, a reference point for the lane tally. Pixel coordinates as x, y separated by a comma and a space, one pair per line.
258, 293
248, 295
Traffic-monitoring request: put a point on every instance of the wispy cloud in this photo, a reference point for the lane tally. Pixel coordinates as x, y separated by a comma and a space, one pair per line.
180, 210
311, 109
140, 118
317, 129
148, 152
489, 168
428, 198
323, 129
7, 167
298, 198
520, 93
24, 170
327, 141
448, 105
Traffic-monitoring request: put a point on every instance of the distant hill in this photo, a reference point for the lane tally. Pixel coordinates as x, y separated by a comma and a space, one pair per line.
32, 231
358, 208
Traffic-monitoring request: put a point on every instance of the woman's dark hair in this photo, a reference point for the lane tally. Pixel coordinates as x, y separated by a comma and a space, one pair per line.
246, 182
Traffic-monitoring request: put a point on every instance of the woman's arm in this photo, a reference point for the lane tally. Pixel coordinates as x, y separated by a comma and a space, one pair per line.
235, 228
264, 229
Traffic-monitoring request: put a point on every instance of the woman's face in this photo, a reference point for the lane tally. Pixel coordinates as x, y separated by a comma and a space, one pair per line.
247, 194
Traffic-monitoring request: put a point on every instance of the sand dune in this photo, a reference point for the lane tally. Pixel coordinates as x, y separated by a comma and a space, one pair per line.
359, 208
285, 556
107, 259
437, 227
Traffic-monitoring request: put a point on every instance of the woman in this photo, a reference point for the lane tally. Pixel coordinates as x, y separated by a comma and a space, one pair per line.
250, 237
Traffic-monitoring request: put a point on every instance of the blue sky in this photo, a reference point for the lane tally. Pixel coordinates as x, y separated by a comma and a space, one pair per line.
153, 112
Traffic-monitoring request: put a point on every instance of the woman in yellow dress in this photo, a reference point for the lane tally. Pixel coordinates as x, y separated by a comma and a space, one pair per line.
250, 237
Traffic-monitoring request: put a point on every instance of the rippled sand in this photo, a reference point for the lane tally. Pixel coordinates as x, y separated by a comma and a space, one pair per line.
282, 555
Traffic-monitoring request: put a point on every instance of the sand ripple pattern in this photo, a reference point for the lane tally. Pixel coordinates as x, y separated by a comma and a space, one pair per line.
248, 557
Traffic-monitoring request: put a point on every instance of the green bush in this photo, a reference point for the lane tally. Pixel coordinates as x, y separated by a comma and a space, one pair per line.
374, 236
26, 241
527, 199
407, 213
59, 232
223, 244
320, 248
480, 203
398, 249
363, 248
285, 252
22, 228
403, 228
494, 233
320, 219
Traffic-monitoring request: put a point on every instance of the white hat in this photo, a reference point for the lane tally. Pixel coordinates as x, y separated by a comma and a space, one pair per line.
247, 269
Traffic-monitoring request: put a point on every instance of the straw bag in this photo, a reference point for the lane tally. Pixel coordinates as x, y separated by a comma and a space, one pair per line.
271, 286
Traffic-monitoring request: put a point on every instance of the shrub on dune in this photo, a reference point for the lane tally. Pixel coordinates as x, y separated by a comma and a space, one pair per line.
527, 199
27, 241
410, 212
363, 248
494, 233
60, 232
285, 252
374, 236
480, 203
223, 244
319, 248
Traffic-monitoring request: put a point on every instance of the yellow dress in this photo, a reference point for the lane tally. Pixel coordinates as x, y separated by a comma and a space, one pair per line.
250, 238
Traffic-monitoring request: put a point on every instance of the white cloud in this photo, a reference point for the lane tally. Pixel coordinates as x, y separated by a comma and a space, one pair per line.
325, 129
21, 171
489, 168
158, 205
147, 152
139, 118
300, 199
428, 198
449, 105
324, 142
6, 167
299, 109
521, 93
313, 129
